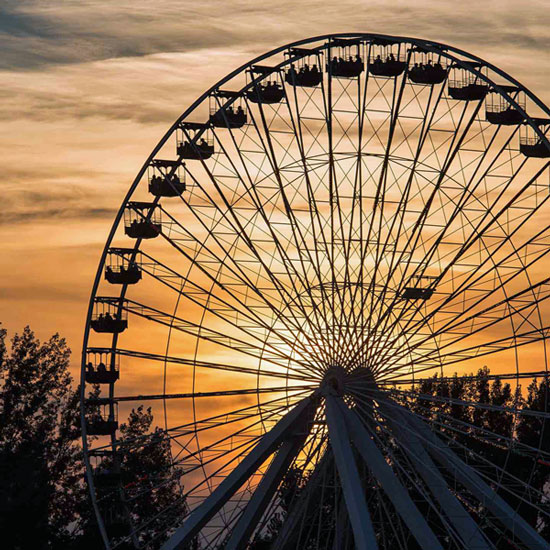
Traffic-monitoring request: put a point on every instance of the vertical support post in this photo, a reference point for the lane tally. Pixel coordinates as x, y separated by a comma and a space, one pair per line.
380, 469
354, 496
466, 528
468, 477
264, 492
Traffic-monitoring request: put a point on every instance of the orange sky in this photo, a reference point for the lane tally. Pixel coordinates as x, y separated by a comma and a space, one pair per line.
89, 87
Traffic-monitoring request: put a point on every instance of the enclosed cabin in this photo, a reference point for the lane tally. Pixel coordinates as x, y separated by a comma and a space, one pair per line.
101, 416
305, 68
465, 82
116, 519
106, 470
109, 316
227, 109
498, 108
531, 144
122, 266
269, 89
102, 366
426, 67
421, 287
416, 293
166, 178
387, 58
142, 220
345, 58
194, 141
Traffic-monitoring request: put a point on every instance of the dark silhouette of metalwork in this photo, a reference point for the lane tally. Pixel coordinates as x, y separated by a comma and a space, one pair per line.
359, 212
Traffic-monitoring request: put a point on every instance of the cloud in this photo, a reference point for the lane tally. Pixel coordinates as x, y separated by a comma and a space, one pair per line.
34, 34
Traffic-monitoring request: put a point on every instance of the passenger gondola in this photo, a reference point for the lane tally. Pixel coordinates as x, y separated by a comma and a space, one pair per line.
304, 72
108, 324
121, 267
345, 59
232, 114
165, 179
466, 85
107, 478
416, 293
388, 67
531, 144
305, 76
229, 117
121, 275
427, 73
268, 93
385, 58
142, 220
498, 109
107, 316
101, 419
97, 371
195, 142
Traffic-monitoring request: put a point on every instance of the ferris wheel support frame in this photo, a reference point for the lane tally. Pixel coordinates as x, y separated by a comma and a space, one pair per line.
354, 431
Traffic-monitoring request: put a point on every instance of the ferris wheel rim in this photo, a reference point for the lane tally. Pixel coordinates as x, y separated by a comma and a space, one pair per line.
199, 101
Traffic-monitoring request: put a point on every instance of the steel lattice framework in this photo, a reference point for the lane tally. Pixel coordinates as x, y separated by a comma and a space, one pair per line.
316, 236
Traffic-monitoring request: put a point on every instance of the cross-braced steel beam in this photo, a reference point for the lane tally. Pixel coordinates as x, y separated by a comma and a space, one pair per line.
264, 492
352, 487
466, 528
470, 479
283, 430
380, 469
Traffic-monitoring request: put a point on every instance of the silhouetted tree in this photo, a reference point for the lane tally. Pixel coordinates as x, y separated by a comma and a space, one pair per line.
40, 457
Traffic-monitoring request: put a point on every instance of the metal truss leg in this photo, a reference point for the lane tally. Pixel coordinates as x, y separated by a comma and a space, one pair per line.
227, 488
264, 492
352, 487
466, 528
468, 477
290, 530
380, 469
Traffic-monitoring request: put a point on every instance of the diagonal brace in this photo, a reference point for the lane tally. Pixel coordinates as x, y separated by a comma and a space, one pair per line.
253, 460
363, 531
380, 469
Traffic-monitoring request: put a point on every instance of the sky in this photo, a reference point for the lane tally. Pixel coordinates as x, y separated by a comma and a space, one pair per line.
89, 87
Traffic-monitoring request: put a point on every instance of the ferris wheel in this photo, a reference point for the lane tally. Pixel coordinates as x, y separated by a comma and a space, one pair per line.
316, 237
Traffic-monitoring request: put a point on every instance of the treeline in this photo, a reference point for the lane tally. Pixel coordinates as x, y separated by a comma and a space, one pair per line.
44, 500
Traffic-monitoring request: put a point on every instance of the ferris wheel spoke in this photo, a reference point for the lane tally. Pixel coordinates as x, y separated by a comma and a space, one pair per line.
382, 246
512, 273
298, 240
472, 352
287, 262
403, 200
260, 371
477, 235
204, 298
319, 237
460, 288
516, 411
245, 347
413, 242
238, 273
197, 395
